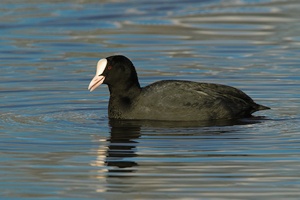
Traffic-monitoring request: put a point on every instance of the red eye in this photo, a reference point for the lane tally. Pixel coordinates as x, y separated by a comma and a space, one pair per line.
109, 67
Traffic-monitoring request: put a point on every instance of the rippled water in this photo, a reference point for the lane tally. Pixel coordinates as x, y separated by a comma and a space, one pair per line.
56, 140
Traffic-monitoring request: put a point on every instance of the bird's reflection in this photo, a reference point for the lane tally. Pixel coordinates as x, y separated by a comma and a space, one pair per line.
124, 136
117, 156
122, 146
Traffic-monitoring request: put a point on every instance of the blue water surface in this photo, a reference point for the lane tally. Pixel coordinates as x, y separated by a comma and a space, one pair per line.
56, 141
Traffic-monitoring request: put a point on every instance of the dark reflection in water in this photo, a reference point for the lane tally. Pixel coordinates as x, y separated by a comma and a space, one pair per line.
125, 134
151, 156
122, 144
122, 124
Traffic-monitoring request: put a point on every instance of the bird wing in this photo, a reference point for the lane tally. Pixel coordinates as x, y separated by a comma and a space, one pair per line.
188, 100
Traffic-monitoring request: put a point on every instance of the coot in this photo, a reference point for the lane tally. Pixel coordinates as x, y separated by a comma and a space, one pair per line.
175, 100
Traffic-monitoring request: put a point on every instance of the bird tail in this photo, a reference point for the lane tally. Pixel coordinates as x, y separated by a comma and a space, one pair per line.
257, 107
261, 107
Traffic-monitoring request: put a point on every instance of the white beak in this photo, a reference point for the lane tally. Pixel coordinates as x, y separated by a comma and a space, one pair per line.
99, 78
95, 82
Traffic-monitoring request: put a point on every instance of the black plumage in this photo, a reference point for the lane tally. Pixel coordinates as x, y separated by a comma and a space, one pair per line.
174, 100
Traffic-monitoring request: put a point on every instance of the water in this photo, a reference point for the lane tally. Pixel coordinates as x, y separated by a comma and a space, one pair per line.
56, 139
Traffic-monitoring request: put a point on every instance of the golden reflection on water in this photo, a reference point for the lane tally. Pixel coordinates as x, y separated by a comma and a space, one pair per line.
100, 164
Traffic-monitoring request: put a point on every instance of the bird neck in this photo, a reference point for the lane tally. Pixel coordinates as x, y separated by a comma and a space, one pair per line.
125, 89
122, 99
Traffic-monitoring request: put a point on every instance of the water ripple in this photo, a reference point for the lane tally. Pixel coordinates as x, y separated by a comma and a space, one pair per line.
56, 139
